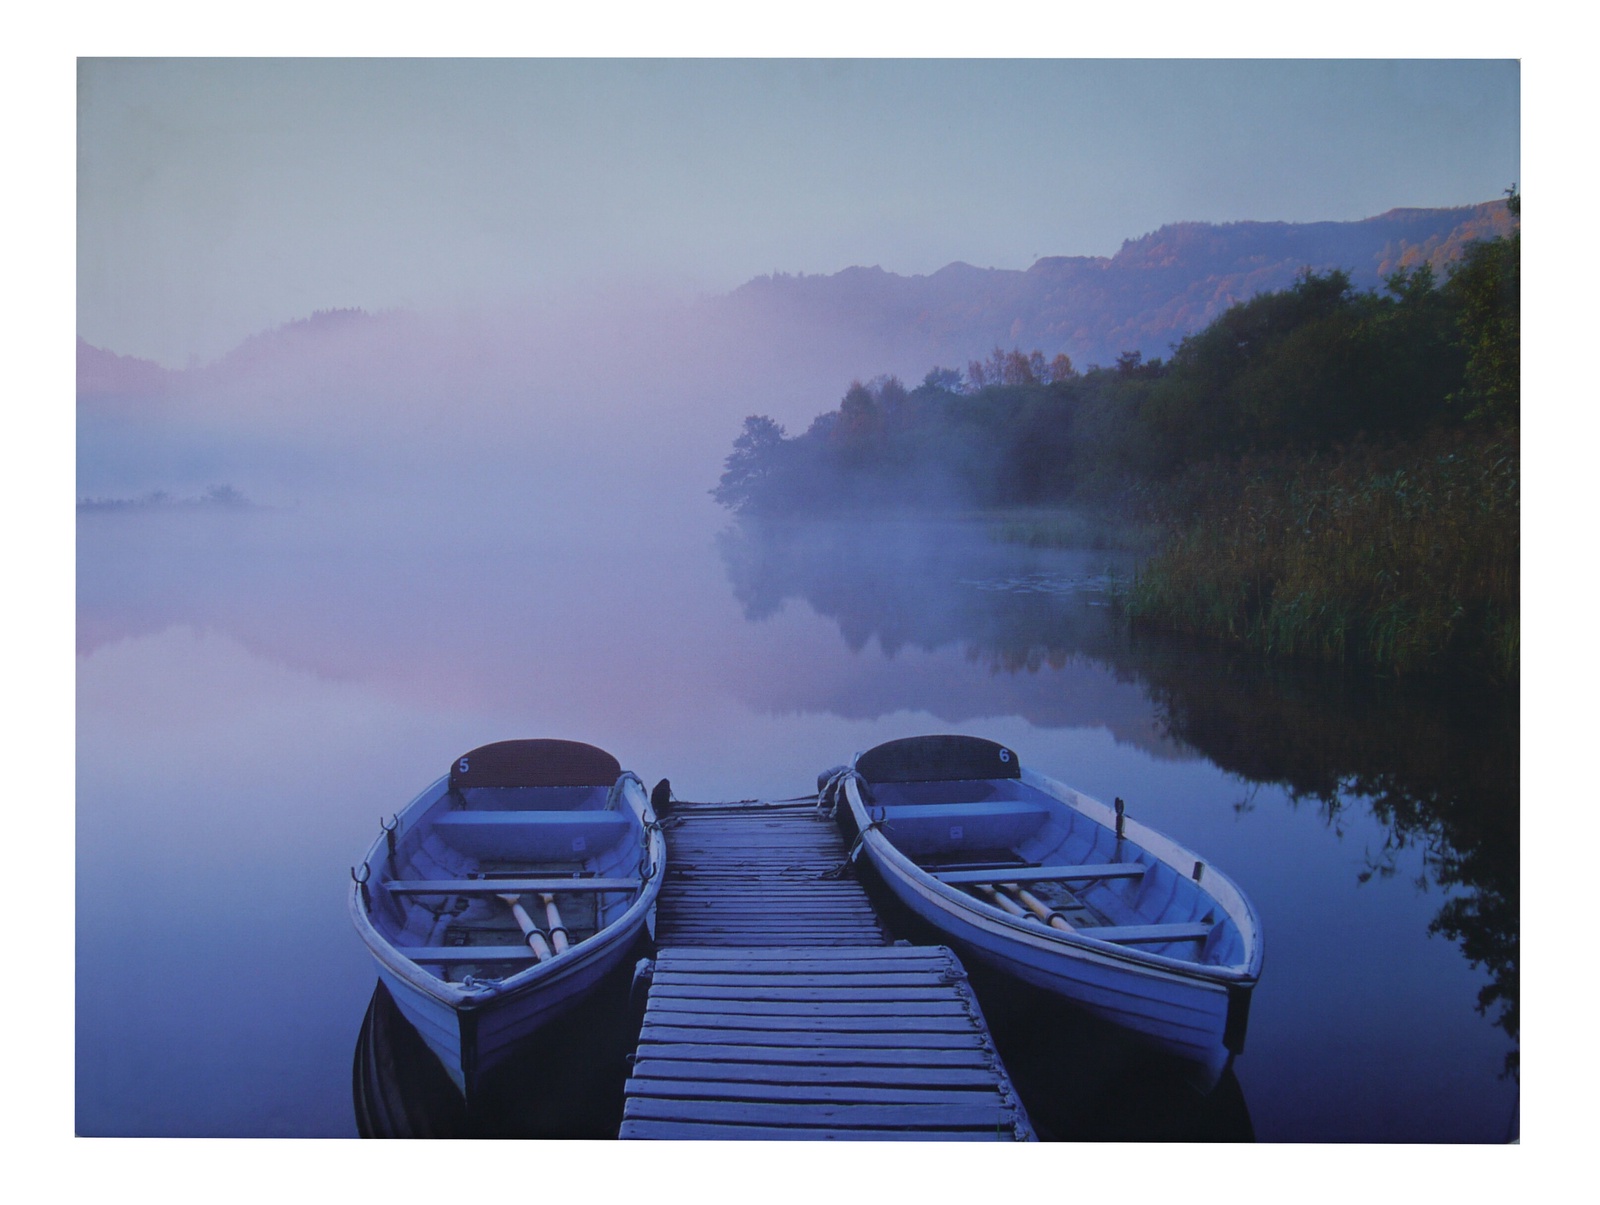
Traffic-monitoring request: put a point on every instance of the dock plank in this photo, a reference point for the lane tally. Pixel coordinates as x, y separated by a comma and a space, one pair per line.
874, 1093
672, 1037
711, 1131
908, 1054
813, 1073
820, 1114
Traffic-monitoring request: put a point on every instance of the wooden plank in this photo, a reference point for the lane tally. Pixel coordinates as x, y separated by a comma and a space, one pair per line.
656, 1035
767, 906
777, 967
766, 893
780, 938
594, 819
976, 810
822, 1008
734, 1090
450, 955
769, 902
775, 913
834, 941
797, 931
730, 936
951, 1022
679, 927
774, 995
643, 1128
1042, 874
770, 1072
1149, 934
924, 1056
673, 957
820, 1115
809, 978
722, 914
507, 886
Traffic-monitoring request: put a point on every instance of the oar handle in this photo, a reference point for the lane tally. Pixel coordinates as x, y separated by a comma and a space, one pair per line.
1003, 902
1039, 908
536, 941
552, 915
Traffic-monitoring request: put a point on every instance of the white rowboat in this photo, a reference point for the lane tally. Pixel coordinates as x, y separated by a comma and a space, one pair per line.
505, 891
1058, 890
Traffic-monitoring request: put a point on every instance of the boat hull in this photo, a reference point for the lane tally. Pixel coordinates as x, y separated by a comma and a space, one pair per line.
1184, 1016
1193, 1012
470, 1040
472, 1024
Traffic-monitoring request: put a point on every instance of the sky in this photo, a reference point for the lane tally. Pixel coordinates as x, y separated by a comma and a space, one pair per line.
220, 197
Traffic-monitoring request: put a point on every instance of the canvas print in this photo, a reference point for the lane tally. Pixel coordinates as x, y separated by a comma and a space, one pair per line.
886, 600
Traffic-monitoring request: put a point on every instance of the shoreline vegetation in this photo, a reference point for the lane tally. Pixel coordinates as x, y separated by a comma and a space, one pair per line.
1320, 473
216, 498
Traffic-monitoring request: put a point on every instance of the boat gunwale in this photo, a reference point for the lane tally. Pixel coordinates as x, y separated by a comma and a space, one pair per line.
1047, 938
464, 998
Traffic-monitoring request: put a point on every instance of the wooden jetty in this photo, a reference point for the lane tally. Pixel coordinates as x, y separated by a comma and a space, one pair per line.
778, 1009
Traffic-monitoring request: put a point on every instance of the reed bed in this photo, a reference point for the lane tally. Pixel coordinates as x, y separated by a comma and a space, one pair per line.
1405, 558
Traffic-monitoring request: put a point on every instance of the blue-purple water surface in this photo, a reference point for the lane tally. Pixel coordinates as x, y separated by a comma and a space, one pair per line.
257, 687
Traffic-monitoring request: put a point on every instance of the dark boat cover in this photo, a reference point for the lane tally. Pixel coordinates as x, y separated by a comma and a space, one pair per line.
534, 763
937, 759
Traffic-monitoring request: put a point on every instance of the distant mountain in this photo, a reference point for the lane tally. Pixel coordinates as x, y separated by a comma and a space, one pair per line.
104, 375
1147, 297
785, 338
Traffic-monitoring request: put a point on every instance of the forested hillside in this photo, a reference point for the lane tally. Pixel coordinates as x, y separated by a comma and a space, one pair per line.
1333, 471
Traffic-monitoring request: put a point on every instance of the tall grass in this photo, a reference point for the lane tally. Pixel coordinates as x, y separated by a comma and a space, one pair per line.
1405, 558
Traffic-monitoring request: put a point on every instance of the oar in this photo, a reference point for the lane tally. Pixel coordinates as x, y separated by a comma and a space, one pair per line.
541, 948
1003, 902
558, 931
1038, 907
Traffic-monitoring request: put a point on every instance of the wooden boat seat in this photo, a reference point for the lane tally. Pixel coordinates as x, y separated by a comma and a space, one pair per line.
452, 955
532, 836
956, 811
1149, 934
1043, 874
507, 886
920, 828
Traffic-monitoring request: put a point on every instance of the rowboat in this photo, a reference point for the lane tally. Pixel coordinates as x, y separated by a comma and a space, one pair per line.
504, 892
1057, 889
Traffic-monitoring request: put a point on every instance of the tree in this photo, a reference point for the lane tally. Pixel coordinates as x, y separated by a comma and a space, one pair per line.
891, 396
1018, 368
1487, 287
756, 454
858, 412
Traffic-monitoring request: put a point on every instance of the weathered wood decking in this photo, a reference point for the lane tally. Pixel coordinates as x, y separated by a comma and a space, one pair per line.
777, 1008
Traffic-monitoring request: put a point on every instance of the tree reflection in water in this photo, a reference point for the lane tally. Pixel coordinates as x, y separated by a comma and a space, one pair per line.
1436, 762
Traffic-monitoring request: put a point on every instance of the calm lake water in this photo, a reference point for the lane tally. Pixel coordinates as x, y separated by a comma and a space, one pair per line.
256, 689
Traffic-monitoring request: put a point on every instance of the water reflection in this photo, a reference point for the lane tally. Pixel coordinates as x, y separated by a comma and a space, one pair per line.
1434, 764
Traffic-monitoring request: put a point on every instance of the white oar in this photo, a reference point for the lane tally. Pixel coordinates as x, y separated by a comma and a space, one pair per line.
1038, 907
1003, 902
558, 931
541, 948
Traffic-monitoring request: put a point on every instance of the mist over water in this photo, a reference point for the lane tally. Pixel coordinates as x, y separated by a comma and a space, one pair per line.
462, 530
